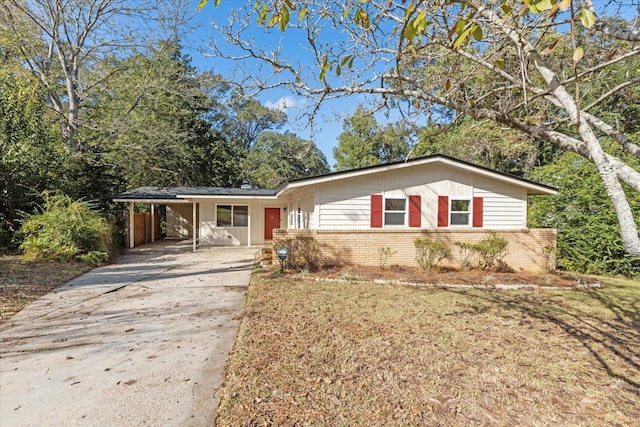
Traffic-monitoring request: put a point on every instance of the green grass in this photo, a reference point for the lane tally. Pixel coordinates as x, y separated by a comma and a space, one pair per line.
349, 353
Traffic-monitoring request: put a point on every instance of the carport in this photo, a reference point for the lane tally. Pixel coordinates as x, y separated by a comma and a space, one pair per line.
216, 216
155, 197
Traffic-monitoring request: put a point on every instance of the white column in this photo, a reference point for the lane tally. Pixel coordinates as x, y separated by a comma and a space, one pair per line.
249, 226
153, 224
131, 225
194, 227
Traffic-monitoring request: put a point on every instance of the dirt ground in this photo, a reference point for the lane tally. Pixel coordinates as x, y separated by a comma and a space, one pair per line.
22, 282
441, 276
453, 277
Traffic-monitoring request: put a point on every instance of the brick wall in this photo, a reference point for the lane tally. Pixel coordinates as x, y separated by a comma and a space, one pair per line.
342, 247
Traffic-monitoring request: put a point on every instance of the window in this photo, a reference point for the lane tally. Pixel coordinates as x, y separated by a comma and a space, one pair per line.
240, 216
223, 215
232, 216
460, 212
394, 212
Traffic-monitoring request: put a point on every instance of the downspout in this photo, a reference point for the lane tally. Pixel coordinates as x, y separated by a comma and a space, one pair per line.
131, 226
193, 227
249, 226
153, 224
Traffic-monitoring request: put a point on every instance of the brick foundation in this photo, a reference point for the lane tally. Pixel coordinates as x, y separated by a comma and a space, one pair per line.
362, 247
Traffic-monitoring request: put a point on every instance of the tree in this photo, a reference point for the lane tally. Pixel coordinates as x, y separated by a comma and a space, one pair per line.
486, 143
245, 119
31, 154
277, 158
365, 143
60, 43
152, 116
588, 232
216, 161
546, 62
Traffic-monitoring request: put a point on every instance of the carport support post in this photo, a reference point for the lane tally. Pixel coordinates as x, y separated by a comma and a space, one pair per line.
131, 226
153, 224
193, 227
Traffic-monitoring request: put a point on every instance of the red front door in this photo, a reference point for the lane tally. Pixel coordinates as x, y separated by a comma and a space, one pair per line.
271, 221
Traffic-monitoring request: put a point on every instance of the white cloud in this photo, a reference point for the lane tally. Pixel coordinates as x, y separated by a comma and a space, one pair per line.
285, 103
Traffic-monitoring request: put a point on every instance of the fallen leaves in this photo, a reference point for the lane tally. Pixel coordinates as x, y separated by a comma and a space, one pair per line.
22, 282
335, 353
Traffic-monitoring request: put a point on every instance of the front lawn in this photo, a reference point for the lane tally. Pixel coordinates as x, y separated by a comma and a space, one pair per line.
351, 353
22, 282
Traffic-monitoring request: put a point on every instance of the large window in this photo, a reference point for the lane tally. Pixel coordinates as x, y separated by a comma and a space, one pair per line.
460, 212
232, 216
395, 211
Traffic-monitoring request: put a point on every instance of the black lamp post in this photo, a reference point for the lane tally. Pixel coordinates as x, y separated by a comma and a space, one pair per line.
282, 255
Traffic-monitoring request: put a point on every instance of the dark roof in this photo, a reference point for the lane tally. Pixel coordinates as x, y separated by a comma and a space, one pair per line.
417, 159
144, 193
165, 193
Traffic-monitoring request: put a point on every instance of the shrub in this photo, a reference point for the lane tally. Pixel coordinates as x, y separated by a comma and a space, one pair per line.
466, 254
384, 254
429, 253
303, 252
65, 230
491, 252
549, 254
589, 239
94, 257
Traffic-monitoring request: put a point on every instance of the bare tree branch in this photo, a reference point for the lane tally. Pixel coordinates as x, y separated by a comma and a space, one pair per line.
630, 35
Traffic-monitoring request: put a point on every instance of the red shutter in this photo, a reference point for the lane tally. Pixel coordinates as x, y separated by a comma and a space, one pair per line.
478, 211
415, 217
443, 211
376, 210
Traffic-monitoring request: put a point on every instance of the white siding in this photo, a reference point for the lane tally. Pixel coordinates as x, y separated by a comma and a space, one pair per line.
179, 220
505, 206
210, 234
346, 204
301, 209
207, 227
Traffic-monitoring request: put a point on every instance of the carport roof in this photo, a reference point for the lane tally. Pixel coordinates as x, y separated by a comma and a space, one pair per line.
178, 194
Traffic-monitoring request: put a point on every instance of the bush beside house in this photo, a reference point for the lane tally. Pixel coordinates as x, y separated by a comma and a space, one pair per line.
66, 230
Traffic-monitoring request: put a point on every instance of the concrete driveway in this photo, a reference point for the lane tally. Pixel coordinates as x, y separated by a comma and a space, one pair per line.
139, 342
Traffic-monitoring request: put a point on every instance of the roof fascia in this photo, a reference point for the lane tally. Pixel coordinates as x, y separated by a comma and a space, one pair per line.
156, 201
536, 189
192, 197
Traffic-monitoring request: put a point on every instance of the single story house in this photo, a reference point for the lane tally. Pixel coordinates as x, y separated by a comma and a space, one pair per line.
353, 214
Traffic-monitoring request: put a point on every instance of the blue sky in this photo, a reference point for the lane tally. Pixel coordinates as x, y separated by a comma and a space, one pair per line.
329, 120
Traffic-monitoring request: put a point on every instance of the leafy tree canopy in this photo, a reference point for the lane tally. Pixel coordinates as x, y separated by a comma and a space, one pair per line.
588, 232
486, 143
31, 155
277, 158
366, 143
